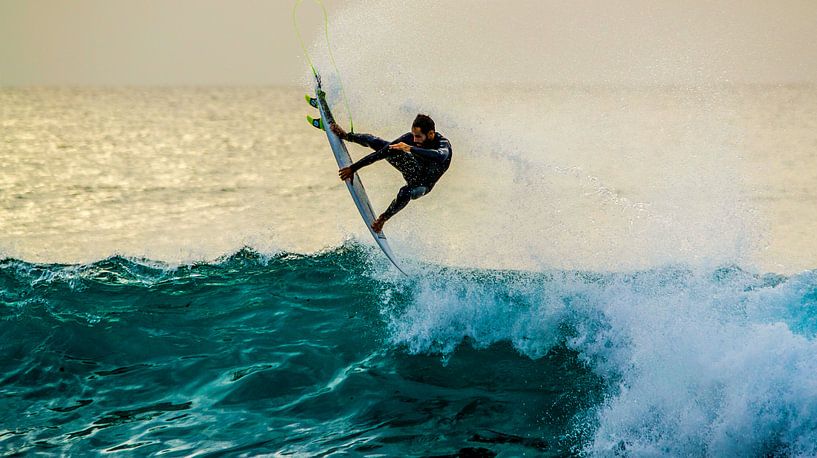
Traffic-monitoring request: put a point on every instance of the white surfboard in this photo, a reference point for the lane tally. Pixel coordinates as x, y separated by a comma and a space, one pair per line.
355, 186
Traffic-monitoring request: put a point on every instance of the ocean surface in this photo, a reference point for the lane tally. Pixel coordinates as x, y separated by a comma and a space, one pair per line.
603, 271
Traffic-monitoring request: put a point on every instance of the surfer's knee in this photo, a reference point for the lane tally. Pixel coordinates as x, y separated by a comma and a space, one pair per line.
404, 193
417, 192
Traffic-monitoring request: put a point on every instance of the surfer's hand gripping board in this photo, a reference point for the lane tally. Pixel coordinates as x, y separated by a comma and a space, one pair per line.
346, 173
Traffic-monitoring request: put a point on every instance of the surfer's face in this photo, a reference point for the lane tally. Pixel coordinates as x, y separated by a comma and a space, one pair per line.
420, 137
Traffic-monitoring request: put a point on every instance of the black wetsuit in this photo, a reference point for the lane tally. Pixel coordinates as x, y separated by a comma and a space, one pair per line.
421, 168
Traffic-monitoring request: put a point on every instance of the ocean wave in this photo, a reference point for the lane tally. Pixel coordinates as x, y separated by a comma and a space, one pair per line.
689, 362
695, 363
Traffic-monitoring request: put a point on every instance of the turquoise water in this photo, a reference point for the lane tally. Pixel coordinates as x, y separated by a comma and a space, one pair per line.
285, 353
334, 353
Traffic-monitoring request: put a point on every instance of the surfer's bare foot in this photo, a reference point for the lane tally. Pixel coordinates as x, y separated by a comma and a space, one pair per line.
346, 173
377, 225
337, 130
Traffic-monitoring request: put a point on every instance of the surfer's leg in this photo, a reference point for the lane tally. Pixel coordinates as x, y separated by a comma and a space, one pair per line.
418, 191
406, 194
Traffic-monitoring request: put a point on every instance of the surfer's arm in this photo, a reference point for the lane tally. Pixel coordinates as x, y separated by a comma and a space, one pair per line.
373, 142
382, 153
437, 154
369, 140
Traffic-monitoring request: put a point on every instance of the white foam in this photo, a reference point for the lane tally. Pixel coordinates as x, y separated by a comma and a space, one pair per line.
696, 363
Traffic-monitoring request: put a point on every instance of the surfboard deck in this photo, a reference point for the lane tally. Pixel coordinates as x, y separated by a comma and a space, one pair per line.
343, 159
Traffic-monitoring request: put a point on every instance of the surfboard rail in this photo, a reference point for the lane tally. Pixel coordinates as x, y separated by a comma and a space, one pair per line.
354, 185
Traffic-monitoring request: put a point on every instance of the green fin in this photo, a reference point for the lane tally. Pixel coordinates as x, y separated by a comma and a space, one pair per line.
316, 122
311, 100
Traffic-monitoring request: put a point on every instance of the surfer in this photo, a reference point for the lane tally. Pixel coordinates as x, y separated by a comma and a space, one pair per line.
422, 156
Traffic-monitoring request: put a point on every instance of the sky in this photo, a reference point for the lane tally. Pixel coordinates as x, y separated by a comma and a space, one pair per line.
252, 42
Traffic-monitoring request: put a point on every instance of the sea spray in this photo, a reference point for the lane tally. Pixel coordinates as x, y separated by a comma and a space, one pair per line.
600, 177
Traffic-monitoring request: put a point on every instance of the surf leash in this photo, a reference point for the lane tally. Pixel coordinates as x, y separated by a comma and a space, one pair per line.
328, 47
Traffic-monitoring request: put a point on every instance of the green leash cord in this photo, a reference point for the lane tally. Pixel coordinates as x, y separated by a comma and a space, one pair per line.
328, 47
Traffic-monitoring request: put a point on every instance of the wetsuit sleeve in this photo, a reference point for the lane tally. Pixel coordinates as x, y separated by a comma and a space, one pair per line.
369, 140
381, 153
437, 154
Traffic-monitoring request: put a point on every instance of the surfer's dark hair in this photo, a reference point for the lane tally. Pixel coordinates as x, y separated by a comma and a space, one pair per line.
424, 122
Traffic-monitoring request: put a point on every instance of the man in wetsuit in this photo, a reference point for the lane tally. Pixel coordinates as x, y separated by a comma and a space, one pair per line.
422, 156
